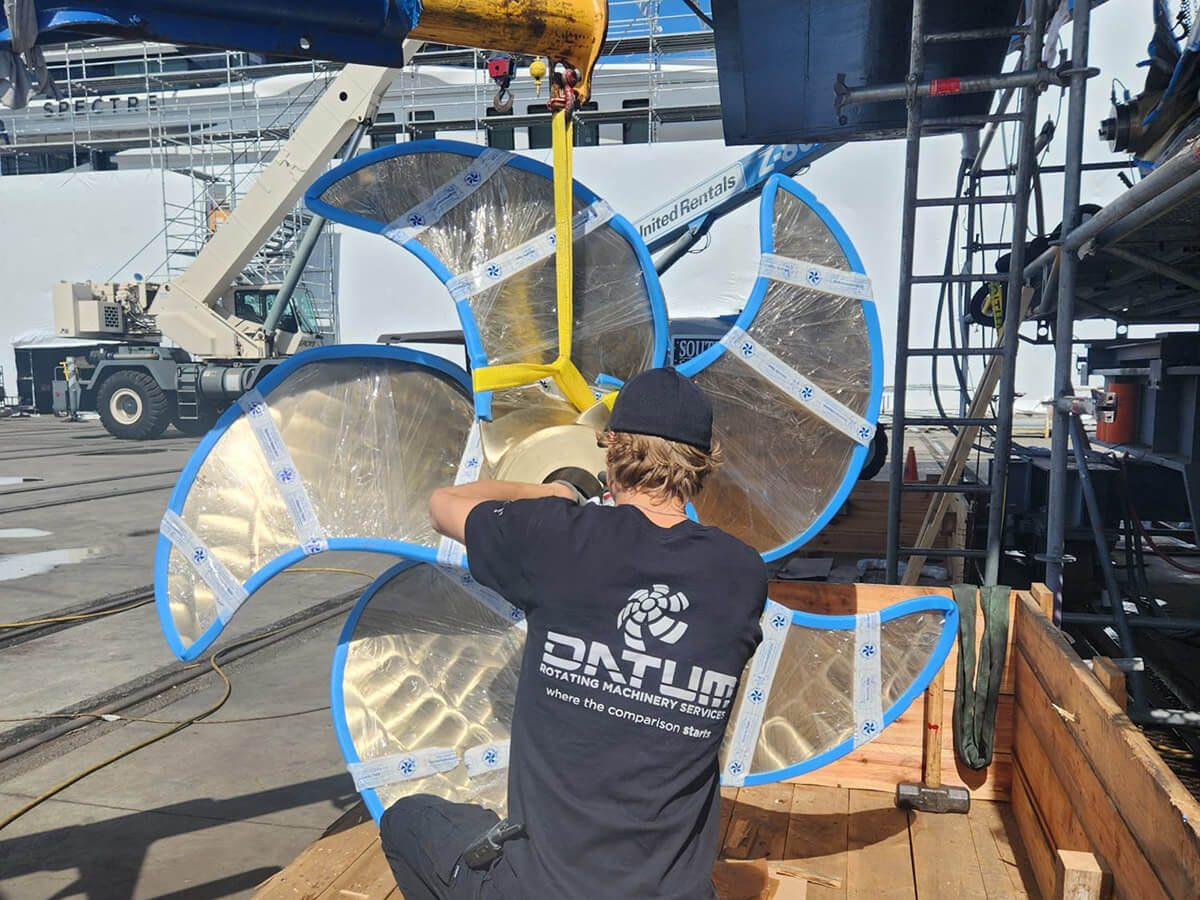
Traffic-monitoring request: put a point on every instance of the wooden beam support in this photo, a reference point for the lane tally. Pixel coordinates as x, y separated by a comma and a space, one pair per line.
1044, 598
1110, 677
1080, 876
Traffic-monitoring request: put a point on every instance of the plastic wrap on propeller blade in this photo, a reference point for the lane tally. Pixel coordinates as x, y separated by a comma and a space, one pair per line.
796, 384
482, 220
424, 669
425, 676
835, 683
337, 448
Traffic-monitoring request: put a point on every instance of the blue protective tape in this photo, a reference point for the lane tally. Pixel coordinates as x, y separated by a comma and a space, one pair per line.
766, 237
188, 476
928, 603
337, 674
478, 355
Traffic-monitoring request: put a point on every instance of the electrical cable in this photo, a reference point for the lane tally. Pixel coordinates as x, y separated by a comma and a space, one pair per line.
175, 727
78, 617
944, 288
112, 717
153, 739
1137, 521
54, 620
336, 571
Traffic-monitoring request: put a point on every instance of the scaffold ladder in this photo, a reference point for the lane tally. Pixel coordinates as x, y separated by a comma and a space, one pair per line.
1026, 82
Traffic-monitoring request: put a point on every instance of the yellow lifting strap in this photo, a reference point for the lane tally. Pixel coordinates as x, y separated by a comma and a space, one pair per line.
562, 370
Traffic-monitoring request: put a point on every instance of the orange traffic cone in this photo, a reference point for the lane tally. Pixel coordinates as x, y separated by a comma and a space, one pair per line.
910, 466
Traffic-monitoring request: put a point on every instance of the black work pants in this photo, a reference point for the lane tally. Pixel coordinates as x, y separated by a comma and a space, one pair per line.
424, 838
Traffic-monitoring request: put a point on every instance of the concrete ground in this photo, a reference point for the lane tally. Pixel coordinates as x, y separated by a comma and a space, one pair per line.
210, 811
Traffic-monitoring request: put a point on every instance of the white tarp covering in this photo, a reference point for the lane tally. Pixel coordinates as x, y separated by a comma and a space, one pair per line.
76, 226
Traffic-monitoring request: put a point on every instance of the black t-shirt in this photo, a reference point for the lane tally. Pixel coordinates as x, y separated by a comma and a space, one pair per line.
637, 638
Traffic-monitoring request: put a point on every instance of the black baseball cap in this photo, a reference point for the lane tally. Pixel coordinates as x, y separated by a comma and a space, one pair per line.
665, 404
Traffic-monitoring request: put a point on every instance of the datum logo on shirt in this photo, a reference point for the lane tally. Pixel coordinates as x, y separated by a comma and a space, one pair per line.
648, 607
681, 687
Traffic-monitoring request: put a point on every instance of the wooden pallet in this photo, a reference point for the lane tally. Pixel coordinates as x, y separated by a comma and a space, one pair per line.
781, 841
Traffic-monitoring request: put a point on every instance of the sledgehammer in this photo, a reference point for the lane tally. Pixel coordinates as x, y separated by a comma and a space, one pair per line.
931, 795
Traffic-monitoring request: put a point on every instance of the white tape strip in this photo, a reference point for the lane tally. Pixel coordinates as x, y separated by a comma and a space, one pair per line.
520, 258
227, 590
448, 196
402, 767
776, 619
775, 370
287, 479
484, 595
838, 282
486, 758
450, 551
868, 683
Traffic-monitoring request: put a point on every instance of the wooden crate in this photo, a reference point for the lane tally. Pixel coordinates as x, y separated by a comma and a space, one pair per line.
1086, 779
860, 526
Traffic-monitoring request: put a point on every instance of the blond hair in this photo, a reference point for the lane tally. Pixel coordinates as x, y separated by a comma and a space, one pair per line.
657, 466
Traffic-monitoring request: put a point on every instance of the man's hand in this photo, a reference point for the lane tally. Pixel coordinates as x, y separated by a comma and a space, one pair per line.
450, 506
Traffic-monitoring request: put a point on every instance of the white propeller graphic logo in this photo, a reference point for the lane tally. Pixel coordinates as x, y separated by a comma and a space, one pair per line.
647, 611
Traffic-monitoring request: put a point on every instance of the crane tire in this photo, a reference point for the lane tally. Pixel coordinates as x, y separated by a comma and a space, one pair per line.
132, 406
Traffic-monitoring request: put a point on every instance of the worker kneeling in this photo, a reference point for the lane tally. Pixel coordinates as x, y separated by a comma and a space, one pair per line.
640, 624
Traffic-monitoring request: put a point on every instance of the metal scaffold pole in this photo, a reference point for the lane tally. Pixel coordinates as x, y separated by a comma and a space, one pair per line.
912, 160
1065, 320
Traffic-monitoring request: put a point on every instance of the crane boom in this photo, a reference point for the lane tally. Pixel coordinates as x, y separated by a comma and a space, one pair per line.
184, 309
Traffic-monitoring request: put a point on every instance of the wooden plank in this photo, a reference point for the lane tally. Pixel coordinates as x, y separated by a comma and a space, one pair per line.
1111, 678
1033, 836
879, 858
319, 865
879, 766
1040, 727
944, 860
1055, 806
741, 879
1161, 814
817, 836
368, 878
1079, 876
844, 599
1003, 863
1043, 598
758, 826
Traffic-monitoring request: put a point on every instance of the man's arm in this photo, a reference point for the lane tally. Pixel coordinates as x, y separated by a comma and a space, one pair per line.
450, 506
